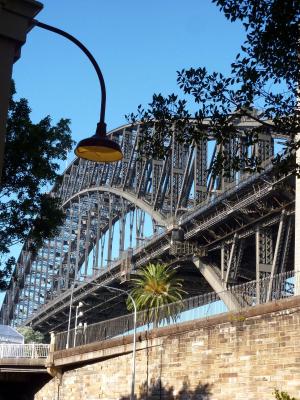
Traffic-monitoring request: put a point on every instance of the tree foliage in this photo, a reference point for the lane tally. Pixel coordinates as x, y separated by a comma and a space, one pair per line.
30, 335
31, 164
262, 86
155, 286
279, 395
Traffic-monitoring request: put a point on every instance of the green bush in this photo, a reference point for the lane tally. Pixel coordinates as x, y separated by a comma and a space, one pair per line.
31, 336
282, 395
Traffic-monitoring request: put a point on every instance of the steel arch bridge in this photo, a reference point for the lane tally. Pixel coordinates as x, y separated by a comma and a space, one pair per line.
111, 209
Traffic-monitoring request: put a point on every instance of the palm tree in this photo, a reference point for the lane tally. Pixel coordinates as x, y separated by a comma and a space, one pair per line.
155, 288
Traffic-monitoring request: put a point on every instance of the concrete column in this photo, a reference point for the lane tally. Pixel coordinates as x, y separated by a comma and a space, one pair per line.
216, 283
15, 21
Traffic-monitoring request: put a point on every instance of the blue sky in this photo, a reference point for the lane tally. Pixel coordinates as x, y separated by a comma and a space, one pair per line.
139, 46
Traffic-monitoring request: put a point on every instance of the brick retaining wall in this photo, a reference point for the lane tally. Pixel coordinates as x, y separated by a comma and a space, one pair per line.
241, 356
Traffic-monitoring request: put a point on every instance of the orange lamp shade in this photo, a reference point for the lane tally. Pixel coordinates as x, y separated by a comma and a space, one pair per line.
99, 148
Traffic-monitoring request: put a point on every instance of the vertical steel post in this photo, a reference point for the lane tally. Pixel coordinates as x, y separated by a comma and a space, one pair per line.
110, 233
277, 246
222, 262
70, 313
257, 260
96, 260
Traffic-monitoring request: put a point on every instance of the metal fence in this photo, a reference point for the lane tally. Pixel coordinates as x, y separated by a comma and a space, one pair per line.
266, 289
31, 350
203, 306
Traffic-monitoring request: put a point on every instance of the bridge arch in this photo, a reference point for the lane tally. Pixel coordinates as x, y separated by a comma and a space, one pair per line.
157, 216
95, 195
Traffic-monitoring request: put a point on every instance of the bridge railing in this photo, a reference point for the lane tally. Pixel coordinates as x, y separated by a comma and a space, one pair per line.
31, 350
202, 306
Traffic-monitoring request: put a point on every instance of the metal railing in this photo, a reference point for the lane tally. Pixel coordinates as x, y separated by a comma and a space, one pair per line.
257, 292
31, 350
197, 307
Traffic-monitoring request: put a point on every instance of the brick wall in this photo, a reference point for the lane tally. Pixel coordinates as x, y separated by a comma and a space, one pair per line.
228, 357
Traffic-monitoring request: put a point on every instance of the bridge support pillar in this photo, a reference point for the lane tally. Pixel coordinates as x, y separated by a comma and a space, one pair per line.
216, 283
55, 373
51, 369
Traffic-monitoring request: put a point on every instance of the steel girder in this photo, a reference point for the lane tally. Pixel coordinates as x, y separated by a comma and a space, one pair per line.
95, 196
199, 228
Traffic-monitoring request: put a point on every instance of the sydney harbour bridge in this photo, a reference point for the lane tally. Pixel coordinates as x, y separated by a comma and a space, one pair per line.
216, 231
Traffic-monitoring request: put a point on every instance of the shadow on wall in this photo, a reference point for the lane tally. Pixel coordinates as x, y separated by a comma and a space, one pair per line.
156, 390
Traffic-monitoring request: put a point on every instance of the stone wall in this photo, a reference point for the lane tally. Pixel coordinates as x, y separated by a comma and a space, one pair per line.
229, 357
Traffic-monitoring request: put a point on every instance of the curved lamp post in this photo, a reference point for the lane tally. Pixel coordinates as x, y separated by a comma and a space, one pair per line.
98, 147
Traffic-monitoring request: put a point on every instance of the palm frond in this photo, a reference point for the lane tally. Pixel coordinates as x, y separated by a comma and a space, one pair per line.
154, 288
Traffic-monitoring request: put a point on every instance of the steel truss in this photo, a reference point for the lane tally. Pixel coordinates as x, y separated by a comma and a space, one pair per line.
239, 226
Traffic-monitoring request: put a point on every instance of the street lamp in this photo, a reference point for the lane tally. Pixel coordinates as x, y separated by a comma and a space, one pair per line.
98, 147
78, 314
70, 312
134, 327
